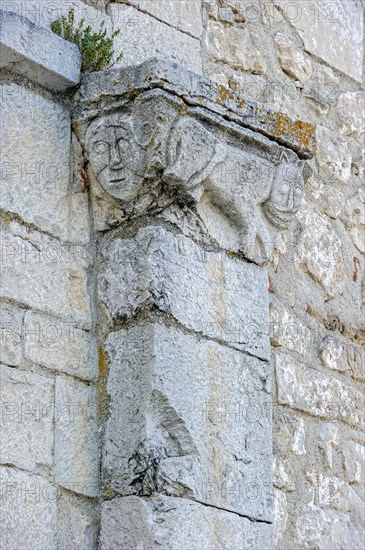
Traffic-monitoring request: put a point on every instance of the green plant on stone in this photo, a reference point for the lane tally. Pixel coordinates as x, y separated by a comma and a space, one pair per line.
95, 47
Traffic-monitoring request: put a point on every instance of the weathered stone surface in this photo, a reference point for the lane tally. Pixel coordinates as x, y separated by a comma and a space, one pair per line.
319, 251
77, 522
44, 12
354, 461
140, 39
339, 354
281, 516
173, 524
235, 46
11, 331
59, 345
101, 89
292, 60
333, 155
329, 434
212, 294
353, 215
28, 511
26, 418
350, 110
323, 529
287, 330
316, 393
35, 158
38, 54
40, 272
185, 15
76, 445
192, 421
332, 31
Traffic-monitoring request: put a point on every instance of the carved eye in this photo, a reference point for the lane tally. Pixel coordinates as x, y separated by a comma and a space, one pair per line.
101, 146
284, 188
298, 191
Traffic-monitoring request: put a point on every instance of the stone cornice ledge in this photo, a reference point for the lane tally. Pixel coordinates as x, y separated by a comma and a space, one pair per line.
98, 90
38, 54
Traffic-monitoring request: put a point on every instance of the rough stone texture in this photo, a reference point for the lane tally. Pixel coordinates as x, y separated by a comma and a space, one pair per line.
35, 158
350, 110
38, 54
28, 511
353, 216
319, 249
184, 15
332, 31
141, 35
288, 331
172, 524
11, 327
316, 393
76, 445
339, 354
235, 46
27, 412
191, 421
333, 155
77, 522
44, 12
39, 272
292, 60
60, 346
208, 292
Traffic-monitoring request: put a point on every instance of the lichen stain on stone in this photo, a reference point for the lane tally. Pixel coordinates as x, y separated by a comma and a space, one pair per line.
103, 396
223, 94
301, 132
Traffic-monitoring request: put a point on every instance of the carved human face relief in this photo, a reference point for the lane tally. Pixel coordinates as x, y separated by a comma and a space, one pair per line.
286, 194
116, 158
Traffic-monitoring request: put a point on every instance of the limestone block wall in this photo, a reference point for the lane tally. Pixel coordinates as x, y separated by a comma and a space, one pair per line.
82, 301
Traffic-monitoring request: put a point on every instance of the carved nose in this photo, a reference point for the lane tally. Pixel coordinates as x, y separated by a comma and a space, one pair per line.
115, 157
290, 201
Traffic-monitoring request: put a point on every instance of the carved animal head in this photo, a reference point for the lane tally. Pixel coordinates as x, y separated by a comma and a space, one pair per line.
286, 192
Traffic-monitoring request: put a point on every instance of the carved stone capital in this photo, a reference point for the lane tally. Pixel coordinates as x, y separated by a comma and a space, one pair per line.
154, 144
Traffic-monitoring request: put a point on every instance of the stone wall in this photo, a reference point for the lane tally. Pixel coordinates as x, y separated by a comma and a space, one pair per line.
132, 374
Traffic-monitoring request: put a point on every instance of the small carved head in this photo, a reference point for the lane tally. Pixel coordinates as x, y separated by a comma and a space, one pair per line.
116, 157
286, 192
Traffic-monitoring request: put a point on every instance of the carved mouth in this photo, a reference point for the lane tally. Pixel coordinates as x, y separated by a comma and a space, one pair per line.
118, 180
278, 218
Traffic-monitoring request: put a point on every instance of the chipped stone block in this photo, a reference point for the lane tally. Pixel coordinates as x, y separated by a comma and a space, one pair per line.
59, 345
28, 511
332, 31
173, 524
339, 354
316, 393
76, 444
39, 272
184, 15
281, 516
77, 525
35, 157
188, 418
287, 330
143, 37
319, 251
37, 53
317, 528
235, 46
292, 60
207, 292
11, 332
26, 418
